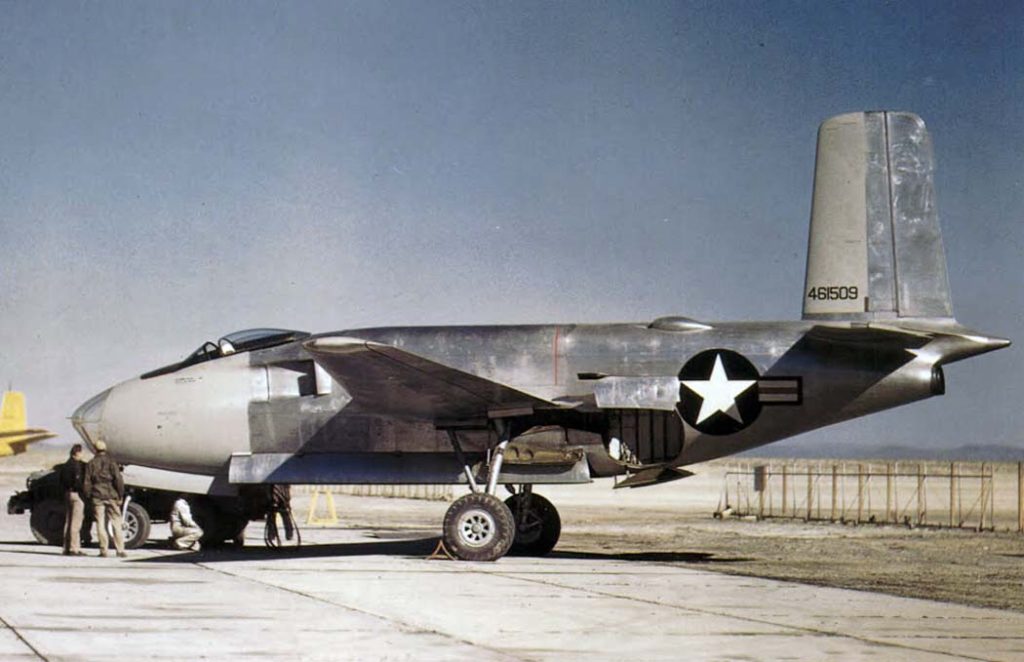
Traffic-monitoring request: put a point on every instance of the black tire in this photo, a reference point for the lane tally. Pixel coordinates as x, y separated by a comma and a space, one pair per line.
478, 527
136, 526
537, 530
218, 526
238, 539
47, 522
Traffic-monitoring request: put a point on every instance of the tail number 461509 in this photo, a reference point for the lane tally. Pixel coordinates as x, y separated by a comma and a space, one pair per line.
833, 293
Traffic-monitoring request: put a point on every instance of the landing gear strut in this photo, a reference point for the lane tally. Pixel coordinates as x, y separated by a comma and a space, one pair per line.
479, 527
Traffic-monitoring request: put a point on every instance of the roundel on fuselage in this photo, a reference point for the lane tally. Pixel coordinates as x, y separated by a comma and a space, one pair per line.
718, 392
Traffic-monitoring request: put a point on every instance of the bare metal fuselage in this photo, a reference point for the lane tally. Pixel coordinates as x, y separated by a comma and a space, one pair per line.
274, 400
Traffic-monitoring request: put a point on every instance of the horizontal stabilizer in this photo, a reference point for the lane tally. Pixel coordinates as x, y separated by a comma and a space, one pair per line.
14, 443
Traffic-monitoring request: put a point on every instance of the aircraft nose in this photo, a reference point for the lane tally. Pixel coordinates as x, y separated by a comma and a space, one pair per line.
88, 416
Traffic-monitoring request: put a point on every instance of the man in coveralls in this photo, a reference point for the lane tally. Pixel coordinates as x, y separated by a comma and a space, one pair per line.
104, 485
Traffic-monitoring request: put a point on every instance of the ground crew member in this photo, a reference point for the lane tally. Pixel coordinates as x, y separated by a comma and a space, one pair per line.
281, 502
184, 530
72, 476
104, 485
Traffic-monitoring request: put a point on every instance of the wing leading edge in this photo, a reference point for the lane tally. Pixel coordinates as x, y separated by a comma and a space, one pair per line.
386, 380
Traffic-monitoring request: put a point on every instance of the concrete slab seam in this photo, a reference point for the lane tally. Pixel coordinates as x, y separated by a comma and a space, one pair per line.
408, 627
21, 638
712, 612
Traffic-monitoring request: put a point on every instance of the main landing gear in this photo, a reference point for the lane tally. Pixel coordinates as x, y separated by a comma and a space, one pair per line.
538, 525
480, 527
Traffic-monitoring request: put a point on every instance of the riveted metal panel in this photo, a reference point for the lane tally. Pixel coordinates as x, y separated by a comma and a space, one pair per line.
881, 261
837, 250
922, 282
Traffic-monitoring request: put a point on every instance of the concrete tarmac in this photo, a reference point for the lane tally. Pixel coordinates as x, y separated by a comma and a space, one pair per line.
351, 594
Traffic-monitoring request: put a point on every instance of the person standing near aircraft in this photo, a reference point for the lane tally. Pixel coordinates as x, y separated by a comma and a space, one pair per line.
72, 477
104, 485
185, 532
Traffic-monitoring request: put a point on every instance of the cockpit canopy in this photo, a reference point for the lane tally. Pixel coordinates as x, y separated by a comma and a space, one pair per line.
239, 341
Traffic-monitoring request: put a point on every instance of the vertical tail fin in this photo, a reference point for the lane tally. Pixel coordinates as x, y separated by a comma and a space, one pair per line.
12, 412
875, 248
15, 434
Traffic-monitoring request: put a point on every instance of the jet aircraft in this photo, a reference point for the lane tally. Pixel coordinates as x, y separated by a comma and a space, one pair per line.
527, 405
15, 435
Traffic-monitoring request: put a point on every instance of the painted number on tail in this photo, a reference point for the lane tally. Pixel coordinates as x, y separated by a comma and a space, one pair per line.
833, 293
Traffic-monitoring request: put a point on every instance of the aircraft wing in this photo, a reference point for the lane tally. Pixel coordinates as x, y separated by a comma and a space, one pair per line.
387, 380
16, 441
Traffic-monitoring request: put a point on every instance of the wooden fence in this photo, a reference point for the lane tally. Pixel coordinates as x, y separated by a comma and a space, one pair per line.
422, 492
980, 496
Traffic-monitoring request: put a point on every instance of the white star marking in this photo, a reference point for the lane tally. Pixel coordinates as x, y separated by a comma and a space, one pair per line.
719, 393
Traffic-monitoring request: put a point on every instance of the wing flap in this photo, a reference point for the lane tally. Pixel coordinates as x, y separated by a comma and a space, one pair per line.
383, 379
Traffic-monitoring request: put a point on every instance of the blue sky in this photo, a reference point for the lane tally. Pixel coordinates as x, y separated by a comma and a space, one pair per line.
172, 172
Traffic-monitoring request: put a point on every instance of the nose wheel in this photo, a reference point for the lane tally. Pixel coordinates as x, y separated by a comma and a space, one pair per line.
478, 527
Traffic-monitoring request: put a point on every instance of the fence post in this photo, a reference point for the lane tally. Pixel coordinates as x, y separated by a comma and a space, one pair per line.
952, 491
860, 493
984, 498
889, 517
992, 496
896, 491
810, 492
817, 491
1020, 497
835, 471
785, 487
760, 494
921, 494
959, 499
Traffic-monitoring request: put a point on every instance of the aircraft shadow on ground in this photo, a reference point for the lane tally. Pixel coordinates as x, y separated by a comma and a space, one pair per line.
22, 543
419, 548
89, 549
33, 548
649, 557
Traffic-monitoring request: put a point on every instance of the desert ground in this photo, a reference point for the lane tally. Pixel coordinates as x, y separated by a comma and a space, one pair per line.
646, 572
674, 524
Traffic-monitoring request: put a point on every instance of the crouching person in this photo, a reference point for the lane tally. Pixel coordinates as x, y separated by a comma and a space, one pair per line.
185, 533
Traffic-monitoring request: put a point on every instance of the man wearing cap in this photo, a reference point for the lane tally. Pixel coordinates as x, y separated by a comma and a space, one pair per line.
104, 485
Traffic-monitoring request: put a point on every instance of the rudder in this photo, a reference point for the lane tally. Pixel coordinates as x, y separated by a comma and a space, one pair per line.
875, 246
12, 412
